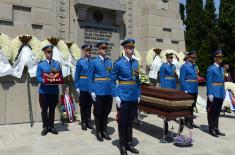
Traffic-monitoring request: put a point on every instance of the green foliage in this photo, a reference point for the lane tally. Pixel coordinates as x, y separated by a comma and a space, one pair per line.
226, 24
209, 36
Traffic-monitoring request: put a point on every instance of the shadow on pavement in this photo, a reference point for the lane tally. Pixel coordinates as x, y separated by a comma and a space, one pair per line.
61, 127
116, 142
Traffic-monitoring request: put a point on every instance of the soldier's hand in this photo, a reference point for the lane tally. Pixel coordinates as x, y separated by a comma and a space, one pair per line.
117, 100
78, 91
211, 98
138, 99
93, 96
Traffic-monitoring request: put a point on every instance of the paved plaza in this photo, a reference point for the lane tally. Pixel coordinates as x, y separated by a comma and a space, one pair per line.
21, 139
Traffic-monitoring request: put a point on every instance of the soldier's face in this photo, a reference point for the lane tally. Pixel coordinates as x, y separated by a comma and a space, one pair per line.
192, 58
169, 59
103, 51
219, 59
48, 53
87, 52
129, 50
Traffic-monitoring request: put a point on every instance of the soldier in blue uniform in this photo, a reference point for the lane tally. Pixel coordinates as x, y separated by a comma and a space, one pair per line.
81, 85
100, 90
168, 73
48, 94
215, 93
168, 78
126, 95
189, 83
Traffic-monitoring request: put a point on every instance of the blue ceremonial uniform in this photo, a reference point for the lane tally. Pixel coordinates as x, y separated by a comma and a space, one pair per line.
215, 87
82, 83
45, 67
126, 72
99, 76
123, 71
81, 74
48, 94
167, 76
188, 78
99, 83
189, 83
215, 80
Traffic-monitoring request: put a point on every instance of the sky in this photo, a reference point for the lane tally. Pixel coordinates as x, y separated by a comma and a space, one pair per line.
217, 2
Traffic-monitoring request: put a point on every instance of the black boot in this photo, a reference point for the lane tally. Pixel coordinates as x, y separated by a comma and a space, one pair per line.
188, 123
44, 131
213, 133
129, 145
218, 132
122, 140
193, 124
98, 129
88, 119
104, 128
83, 119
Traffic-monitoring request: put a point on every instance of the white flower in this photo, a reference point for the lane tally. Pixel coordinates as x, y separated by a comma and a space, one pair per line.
5, 45
63, 48
75, 50
230, 85
34, 43
15, 46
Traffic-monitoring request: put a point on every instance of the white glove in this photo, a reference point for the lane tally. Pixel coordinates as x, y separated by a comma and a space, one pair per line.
93, 96
138, 99
211, 97
117, 100
186, 91
78, 91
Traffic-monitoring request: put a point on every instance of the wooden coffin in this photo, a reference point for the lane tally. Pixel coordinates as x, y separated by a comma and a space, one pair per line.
168, 103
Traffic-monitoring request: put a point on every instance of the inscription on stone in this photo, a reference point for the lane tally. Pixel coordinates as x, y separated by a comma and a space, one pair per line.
94, 34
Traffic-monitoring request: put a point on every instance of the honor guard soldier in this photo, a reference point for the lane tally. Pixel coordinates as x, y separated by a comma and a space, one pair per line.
82, 87
189, 83
100, 90
48, 94
168, 73
215, 93
168, 78
126, 95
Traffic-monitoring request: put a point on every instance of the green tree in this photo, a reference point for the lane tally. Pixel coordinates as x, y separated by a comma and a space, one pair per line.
226, 23
194, 9
209, 36
182, 9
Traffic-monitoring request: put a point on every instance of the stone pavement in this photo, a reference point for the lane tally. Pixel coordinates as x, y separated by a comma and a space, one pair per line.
21, 139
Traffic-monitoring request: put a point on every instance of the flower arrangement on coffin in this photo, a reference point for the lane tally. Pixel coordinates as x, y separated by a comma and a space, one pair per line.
5, 46
18, 42
136, 55
74, 50
60, 44
143, 77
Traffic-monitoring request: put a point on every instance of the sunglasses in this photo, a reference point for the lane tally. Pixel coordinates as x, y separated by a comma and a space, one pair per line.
219, 57
88, 50
49, 52
130, 47
103, 48
170, 57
